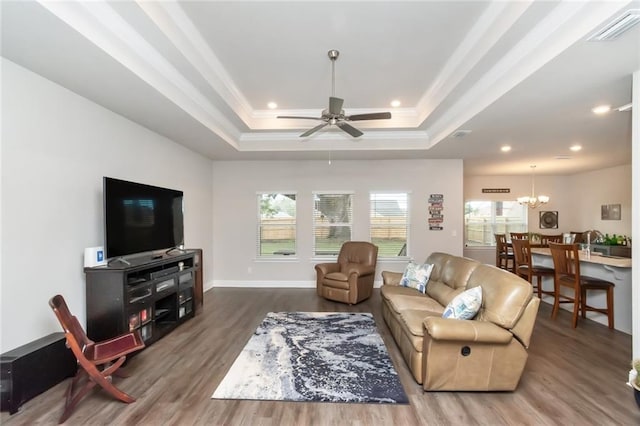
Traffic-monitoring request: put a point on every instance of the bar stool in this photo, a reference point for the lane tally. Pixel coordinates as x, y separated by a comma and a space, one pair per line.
526, 269
503, 254
566, 262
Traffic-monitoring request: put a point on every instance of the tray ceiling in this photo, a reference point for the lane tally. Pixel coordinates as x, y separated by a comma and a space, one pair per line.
202, 73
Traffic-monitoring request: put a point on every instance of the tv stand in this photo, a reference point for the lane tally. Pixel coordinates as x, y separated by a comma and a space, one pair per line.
153, 296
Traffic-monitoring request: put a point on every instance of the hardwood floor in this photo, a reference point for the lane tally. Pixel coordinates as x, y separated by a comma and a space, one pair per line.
573, 376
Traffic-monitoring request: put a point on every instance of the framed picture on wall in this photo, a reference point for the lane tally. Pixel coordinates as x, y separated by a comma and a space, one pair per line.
610, 211
549, 220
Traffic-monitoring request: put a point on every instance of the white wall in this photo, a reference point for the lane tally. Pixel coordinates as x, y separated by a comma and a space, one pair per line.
635, 271
56, 147
577, 198
593, 189
235, 188
555, 187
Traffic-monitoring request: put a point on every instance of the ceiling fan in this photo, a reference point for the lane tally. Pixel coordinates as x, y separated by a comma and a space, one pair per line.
335, 114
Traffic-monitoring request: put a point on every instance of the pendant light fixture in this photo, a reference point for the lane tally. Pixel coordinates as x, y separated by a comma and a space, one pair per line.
533, 201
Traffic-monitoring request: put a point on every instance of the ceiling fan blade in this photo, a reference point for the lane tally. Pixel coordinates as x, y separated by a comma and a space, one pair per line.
300, 118
349, 129
371, 116
315, 129
335, 105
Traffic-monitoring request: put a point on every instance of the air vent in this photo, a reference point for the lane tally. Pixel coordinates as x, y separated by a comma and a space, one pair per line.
617, 26
460, 133
563, 157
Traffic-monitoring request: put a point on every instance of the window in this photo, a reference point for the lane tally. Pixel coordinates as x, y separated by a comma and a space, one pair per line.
389, 222
277, 224
332, 221
482, 219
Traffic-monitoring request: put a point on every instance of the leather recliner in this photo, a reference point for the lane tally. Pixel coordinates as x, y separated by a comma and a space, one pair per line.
350, 279
487, 353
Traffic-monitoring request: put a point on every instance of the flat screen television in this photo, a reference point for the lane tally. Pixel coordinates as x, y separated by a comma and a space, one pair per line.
141, 218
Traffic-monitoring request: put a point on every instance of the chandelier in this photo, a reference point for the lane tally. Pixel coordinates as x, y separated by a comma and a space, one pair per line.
532, 201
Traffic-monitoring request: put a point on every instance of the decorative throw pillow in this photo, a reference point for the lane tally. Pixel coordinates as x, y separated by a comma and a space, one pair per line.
416, 276
465, 305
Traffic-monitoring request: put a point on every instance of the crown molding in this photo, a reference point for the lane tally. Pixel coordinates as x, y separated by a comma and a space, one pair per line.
103, 26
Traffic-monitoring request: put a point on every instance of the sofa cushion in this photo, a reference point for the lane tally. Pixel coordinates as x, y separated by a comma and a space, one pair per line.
414, 319
464, 306
400, 303
416, 276
391, 278
449, 276
392, 291
336, 280
505, 296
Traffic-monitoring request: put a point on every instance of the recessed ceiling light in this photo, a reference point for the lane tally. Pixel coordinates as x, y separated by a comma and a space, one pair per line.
601, 109
395, 103
505, 148
272, 105
576, 148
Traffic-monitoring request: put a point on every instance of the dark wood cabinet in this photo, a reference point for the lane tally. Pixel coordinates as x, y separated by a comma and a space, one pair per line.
198, 291
150, 295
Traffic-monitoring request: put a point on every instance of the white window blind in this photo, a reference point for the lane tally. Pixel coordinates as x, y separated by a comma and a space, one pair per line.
276, 224
389, 222
332, 222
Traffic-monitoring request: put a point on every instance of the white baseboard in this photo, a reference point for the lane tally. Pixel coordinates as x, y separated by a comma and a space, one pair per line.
268, 284
264, 284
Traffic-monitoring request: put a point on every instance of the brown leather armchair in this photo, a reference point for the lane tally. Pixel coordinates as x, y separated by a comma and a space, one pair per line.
350, 279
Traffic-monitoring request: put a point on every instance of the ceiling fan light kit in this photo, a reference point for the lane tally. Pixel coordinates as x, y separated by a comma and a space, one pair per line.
335, 115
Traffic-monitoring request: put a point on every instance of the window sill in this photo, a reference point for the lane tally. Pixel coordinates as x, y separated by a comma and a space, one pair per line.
480, 248
395, 259
276, 259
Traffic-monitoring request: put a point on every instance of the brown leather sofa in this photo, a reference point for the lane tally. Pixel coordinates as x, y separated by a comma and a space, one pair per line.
487, 353
350, 279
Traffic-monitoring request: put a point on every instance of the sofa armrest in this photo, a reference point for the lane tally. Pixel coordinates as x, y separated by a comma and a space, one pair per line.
391, 278
327, 268
358, 269
466, 330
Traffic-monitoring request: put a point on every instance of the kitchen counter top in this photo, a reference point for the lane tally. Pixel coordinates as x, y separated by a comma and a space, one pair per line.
618, 262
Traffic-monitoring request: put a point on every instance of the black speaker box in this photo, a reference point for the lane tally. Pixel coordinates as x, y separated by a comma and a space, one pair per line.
33, 368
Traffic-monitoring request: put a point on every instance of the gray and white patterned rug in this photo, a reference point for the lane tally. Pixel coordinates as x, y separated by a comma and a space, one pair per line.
314, 356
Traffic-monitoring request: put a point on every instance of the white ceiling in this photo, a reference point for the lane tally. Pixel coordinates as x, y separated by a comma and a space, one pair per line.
520, 73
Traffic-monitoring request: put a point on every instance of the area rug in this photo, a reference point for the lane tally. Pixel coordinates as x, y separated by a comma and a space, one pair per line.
314, 356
